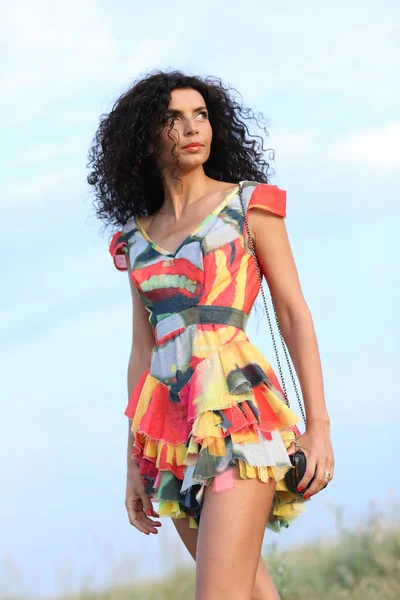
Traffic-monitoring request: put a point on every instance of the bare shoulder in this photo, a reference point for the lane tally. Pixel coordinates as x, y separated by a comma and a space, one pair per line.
222, 189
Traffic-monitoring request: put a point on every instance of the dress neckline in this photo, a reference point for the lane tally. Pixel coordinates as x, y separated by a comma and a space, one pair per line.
212, 214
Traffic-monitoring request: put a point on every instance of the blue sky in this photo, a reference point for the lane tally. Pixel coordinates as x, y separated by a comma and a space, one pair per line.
326, 78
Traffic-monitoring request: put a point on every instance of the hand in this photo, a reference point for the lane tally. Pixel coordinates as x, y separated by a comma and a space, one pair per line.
316, 445
137, 502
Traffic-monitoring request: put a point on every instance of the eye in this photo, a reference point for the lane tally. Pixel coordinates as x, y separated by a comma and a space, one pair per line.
173, 117
169, 117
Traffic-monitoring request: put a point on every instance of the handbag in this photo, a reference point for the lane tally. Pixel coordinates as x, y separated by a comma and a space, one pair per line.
298, 458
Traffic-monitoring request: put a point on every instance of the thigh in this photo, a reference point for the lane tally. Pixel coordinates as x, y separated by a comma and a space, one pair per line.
263, 584
230, 537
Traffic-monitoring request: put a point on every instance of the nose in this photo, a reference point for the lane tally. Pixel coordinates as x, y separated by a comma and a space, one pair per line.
193, 131
192, 128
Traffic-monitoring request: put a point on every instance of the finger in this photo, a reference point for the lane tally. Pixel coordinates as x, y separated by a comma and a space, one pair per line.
139, 505
136, 521
150, 513
151, 524
155, 513
137, 517
319, 481
143, 523
330, 469
148, 506
147, 512
310, 472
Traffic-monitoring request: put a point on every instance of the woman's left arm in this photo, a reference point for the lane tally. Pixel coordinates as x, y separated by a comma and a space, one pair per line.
276, 261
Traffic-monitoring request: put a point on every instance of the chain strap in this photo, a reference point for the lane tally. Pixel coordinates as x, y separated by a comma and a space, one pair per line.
250, 241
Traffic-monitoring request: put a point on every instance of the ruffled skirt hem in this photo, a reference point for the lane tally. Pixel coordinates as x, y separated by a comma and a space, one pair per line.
230, 413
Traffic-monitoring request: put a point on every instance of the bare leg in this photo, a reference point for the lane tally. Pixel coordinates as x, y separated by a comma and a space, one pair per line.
263, 586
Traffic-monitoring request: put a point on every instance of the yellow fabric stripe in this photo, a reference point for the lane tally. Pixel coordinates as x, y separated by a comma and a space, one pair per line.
223, 276
240, 287
144, 401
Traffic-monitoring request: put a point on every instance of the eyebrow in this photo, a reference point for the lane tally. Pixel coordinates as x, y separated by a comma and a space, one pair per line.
179, 112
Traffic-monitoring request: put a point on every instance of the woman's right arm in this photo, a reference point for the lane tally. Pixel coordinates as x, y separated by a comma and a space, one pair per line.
143, 341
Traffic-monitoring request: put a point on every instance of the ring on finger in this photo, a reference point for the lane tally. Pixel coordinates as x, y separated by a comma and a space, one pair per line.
296, 444
327, 476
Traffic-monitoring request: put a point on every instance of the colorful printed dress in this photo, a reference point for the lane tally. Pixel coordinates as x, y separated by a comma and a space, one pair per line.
209, 401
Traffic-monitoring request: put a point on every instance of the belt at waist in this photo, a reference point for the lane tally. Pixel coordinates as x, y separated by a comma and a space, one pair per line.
202, 313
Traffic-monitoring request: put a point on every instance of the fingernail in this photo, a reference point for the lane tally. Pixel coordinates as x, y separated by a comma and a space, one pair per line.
149, 512
306, 496
300, 489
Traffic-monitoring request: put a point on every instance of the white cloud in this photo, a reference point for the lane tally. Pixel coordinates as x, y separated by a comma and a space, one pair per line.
38, 188
366, 148
42, 152
52, 46
316, 49
49, 54
371, 148
355, 62
54, 55
294, 146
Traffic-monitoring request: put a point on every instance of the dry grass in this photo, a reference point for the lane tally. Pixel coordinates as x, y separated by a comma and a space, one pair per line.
363, 563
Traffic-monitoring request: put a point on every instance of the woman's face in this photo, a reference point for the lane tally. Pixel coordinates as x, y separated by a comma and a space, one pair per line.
191, 124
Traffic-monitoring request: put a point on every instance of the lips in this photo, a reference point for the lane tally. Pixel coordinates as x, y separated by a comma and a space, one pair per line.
194, 145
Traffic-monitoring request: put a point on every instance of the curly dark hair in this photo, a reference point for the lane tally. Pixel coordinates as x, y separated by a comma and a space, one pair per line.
122, 158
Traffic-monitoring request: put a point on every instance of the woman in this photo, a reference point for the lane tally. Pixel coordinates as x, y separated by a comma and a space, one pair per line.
209, 431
